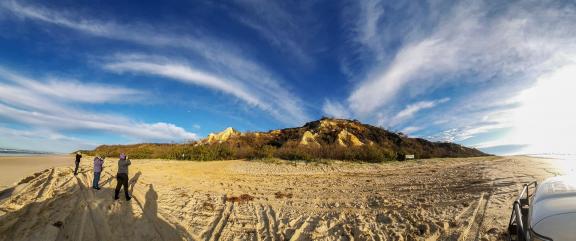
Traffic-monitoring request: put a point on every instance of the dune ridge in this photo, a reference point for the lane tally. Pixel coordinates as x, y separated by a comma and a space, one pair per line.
327, 138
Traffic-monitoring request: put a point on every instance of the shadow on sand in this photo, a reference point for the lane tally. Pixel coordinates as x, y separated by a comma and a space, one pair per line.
166, 231
82, 213
133, 181
6, 193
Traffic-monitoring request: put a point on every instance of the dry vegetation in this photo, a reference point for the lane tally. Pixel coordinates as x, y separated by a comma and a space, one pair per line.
334, 139
241, 198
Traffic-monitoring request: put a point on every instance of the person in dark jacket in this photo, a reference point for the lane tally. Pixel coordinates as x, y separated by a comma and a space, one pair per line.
78, 157
122, 177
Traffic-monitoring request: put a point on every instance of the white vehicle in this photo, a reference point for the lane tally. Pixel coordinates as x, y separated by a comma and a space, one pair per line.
545, 211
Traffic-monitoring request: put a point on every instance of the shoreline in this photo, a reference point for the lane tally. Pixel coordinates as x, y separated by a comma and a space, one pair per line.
15, 168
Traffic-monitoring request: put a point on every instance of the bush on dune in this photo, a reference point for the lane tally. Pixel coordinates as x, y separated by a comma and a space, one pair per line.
327, 138
289, 151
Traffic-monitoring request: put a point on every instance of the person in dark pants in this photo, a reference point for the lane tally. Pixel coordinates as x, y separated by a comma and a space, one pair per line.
78, 157
122, 177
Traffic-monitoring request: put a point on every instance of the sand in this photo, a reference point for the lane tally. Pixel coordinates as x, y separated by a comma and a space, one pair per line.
14, 168
437, 199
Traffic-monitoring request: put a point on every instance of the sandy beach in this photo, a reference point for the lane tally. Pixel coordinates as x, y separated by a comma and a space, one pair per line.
436, 199
15, 168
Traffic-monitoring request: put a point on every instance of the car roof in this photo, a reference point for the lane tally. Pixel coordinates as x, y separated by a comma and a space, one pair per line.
554, 196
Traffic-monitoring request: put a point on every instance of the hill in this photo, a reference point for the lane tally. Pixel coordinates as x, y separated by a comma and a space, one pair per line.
326, 138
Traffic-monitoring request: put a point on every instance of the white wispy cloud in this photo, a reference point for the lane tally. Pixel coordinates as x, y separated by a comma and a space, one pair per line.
382, 88
540, 122
73, 90
232, 70
463, 45
138, 32
544, 120
186, 74
464, 133
26, 101
373, 29
414, 108
259, 91
216, 50
463, 120
46, 15
367, 25
41, 140
411, 129
335, 109
468, 40
282, 28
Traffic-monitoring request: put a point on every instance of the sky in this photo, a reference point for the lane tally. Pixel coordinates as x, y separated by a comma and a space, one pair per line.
495, 75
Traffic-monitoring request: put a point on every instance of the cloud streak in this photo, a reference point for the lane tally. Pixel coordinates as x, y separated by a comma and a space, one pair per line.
27, 101
414, 108
260, 92
496, 50
467, 40
73, 90
243, 77
187, 75
274, 21
335, 109
41, 140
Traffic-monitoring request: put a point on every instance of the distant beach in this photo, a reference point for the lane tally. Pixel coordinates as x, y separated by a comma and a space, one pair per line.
21, 154
16, 166
555, 156
18, 152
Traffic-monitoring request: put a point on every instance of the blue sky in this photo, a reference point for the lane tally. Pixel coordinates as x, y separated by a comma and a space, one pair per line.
497, 75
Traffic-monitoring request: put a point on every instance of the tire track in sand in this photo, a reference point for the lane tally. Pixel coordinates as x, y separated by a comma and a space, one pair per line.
97, 217
213, 233
305, 229
267, 223
22, 225
473, 221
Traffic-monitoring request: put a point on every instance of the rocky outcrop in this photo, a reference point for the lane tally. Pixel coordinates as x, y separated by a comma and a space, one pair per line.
221, 137
342, 133
308, 138
345, 138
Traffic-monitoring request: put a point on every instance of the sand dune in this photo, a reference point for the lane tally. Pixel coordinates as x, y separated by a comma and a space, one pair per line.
450, 199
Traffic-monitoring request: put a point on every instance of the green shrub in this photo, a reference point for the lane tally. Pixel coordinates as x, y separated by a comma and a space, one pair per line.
289, 151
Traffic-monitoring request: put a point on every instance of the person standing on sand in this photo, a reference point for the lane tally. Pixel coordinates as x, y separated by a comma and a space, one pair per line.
122, 177
78, 157
98, 162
